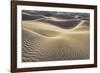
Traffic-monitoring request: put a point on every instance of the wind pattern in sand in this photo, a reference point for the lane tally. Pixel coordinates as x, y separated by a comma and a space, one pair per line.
54, 36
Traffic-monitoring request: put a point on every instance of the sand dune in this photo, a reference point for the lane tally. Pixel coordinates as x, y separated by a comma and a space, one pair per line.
43, 41
64, 23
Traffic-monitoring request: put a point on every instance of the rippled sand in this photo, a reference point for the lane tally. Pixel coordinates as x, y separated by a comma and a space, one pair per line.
42, 41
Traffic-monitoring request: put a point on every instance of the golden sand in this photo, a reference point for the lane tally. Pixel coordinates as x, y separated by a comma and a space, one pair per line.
45, 42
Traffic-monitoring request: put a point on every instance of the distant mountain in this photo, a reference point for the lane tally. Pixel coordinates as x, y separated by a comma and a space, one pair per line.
61, 19
62, 15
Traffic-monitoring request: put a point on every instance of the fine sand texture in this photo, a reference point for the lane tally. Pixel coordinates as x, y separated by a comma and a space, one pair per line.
44, 41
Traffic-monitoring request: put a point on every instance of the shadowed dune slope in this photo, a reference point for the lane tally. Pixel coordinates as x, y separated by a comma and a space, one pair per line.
45, 42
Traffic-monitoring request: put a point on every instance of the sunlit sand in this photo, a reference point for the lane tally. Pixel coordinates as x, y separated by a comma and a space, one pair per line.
43, 41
